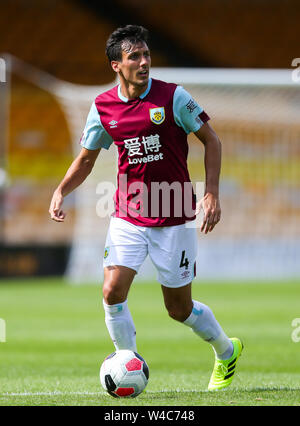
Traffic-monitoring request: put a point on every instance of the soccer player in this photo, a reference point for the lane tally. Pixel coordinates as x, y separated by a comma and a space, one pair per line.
148, 120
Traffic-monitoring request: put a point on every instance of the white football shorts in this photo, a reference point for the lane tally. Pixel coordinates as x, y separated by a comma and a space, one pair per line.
172, 250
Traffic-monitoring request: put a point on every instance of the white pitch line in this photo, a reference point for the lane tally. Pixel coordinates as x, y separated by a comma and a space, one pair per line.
55, 393
59, 393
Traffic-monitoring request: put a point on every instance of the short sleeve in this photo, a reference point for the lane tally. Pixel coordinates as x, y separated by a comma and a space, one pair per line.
94, 135
187, 113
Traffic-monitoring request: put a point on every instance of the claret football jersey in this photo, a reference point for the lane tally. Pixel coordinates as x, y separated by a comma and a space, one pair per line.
150, 133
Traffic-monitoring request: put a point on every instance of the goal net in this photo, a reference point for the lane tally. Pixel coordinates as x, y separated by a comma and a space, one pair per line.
256, 115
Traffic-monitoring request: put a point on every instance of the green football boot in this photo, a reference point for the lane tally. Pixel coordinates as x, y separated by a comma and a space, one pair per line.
224, 370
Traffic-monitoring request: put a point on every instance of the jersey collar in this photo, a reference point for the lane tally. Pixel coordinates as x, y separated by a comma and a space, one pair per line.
142, 96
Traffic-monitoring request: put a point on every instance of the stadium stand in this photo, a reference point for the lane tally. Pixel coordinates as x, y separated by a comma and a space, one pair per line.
64, 38
38, 153
48, 35
231, 33
67, 38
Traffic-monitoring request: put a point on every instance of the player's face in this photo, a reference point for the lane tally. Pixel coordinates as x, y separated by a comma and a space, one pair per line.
135, 64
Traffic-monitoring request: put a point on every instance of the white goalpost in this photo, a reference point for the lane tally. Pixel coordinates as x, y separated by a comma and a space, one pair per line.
256, 115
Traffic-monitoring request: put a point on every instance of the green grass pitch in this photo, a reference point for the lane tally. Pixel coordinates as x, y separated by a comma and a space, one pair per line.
56, 340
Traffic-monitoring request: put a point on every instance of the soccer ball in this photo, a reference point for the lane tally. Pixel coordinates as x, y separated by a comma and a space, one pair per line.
124, 373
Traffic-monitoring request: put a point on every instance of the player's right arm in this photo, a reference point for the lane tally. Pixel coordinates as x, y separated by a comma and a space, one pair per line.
76, 174
94, 138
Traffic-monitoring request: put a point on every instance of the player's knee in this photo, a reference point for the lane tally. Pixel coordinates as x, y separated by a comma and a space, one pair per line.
178, 312
112, 294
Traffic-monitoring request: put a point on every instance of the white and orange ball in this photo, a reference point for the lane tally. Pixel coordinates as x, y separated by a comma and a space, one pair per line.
124, 373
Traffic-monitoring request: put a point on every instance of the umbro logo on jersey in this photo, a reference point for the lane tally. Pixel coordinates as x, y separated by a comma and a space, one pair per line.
113, 124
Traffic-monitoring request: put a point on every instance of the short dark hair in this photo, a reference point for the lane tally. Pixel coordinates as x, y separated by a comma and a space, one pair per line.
132, 34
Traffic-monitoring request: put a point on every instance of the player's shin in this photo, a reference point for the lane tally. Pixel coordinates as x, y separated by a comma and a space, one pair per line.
120, 326
204, 324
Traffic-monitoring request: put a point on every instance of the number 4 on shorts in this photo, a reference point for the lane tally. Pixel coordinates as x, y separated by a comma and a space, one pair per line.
184, 260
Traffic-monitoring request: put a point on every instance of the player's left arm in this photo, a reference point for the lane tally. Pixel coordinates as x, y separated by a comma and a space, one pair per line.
212, 161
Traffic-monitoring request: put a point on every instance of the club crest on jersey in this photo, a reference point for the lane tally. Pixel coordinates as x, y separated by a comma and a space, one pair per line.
157, 115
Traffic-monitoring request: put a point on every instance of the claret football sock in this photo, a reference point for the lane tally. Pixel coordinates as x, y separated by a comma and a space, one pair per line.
203, 322
120, 326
